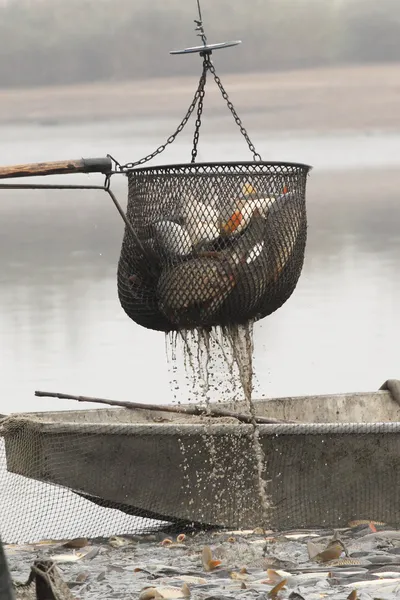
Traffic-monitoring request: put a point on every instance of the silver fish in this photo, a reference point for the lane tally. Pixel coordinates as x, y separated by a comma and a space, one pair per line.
171, 238
394, 583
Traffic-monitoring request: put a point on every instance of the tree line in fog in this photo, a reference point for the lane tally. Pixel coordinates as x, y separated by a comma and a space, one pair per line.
47, 42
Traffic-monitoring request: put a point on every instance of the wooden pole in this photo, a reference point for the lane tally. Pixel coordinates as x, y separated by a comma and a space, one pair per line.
83, 165
185, 410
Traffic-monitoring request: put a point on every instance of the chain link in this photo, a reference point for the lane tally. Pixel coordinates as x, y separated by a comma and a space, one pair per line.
202, 93
239, 123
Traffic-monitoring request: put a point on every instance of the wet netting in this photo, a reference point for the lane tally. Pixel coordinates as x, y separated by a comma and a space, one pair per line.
110, 472
212, 244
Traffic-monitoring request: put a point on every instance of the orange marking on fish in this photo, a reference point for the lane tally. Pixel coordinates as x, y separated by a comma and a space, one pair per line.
285, 189
372, 527
233, 223
209, 563
166, 542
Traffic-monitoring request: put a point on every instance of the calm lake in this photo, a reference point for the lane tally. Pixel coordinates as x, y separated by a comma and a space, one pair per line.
62, 327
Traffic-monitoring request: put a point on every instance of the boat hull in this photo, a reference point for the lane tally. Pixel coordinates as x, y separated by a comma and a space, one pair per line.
205, 471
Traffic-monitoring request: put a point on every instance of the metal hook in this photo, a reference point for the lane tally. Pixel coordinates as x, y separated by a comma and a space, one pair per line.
205, 48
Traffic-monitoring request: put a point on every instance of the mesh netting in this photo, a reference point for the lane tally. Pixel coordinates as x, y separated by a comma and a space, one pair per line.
211, 244
115, 471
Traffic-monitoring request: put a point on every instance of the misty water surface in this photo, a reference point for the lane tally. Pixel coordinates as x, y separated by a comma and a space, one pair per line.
62, 328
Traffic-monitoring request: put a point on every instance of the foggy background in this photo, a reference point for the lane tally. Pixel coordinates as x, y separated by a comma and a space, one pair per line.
47, 42
314, 82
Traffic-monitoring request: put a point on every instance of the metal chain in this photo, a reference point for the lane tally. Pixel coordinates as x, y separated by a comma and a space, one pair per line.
198, 100
199, 95
239, 123
202, 93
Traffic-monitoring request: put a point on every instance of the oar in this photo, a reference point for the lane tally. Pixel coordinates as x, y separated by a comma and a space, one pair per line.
185, 410
62, 167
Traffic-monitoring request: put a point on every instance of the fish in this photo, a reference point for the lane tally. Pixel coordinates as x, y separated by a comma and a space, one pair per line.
358, 522
157, 593
118, 542
192, 579
245, 207
264, 249
250, 264
387, 574
299, 536
239, 576
76, 543
209, 564
333, 551
190, 293
170, 240
194, 290
276, 575
248, 190
66, 558
241, 216
389, 535
201, 220
344, 562
395, 582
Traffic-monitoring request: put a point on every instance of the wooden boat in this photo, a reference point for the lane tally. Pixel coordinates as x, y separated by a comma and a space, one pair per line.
339, 461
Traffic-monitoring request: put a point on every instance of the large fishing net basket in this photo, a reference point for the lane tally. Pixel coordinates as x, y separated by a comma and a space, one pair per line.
212, 243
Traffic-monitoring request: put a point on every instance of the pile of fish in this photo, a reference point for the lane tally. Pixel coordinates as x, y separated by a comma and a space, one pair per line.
359, 562
194, 259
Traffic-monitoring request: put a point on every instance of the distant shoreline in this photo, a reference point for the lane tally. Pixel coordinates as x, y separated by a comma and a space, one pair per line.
356, 98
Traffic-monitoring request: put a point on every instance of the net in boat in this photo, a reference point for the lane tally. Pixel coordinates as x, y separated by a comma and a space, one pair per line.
101, 476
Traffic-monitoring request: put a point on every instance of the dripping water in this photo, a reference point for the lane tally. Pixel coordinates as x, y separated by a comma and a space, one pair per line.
220, 364
240, 339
